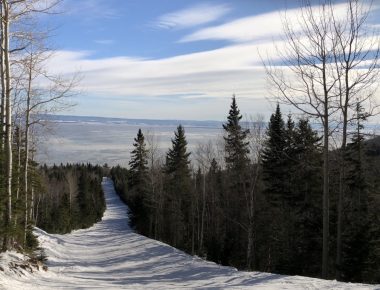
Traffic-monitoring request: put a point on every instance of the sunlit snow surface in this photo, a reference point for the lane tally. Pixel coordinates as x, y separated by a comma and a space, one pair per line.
110, 256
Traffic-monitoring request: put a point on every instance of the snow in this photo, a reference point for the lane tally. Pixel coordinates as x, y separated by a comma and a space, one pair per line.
110, 255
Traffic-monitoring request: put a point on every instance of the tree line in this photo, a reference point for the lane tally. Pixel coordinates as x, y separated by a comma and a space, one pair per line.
28, 90
71, 197
260, 206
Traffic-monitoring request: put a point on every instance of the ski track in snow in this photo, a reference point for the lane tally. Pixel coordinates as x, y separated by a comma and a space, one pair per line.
110, 255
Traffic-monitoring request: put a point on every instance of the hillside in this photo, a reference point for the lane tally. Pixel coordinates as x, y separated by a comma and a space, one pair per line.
110, 255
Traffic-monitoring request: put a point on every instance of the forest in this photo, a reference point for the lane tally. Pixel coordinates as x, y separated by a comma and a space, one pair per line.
63, 198
72, 197
260, 206
297, 195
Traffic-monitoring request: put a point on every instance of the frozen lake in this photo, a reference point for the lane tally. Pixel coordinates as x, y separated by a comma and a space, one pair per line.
104, 140
73, 139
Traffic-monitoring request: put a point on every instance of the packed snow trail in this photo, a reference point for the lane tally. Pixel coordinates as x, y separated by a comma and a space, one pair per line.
110, 255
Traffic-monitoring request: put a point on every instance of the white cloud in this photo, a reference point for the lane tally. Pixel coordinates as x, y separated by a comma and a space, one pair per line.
193, 16
253, 28
216, 73
91, 10
124, 83
182, 86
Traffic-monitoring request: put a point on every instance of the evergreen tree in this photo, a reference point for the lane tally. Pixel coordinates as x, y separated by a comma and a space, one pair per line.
238, 185
289, 160
138, 185
138, 164
307, 162
177, 158
305, 199
274, 165
178, 190
273, 158
355, 248
236, 144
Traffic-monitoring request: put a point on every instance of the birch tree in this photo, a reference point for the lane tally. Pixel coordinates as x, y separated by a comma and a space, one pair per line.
19, 59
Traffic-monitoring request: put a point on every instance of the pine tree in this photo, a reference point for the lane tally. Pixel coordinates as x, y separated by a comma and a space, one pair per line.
307, 162
178, 191
138, 164
273, 158
355, 248
305, 199
237, 186
138, 196
177, 158
236, 144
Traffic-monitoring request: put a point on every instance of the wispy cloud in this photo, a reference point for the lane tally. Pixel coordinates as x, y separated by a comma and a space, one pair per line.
208, 77
192, 16
91, 10
198, 75
253, 28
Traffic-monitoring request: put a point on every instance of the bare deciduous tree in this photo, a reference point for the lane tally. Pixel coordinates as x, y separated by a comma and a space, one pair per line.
328, 64
21, 64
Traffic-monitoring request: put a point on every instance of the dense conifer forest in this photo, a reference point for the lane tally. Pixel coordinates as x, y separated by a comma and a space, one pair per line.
63, 198
259, 207
71, 198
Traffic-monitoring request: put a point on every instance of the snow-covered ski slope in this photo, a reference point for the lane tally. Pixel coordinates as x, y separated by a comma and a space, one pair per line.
110, 255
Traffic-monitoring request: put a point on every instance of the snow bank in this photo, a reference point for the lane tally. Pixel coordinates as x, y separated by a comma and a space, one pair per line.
110, 255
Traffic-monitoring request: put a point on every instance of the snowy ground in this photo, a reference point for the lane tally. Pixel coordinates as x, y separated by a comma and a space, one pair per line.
110, 256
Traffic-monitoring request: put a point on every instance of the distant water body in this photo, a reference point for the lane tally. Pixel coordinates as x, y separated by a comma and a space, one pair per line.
99, 140
96, 140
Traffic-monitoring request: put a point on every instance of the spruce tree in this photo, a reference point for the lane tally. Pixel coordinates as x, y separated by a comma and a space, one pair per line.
305, 199
138, 164
177, 158
273, 158
178, 189
138, 185
237, 185
356, 222
236, 144
307, 162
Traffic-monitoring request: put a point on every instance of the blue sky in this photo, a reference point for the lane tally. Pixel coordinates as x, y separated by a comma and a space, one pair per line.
166, 59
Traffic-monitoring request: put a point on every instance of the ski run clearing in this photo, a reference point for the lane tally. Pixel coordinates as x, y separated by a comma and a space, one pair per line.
110, 255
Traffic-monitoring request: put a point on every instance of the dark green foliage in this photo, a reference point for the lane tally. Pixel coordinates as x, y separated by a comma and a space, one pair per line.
138, 197
120, 177
177, 186
73, 198
356, 231
264, 216
237, 184
177, 158
236, 144
138, 164
292, 178
31, 240
274, 159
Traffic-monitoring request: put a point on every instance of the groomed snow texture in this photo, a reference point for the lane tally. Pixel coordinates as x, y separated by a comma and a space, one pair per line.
110, 255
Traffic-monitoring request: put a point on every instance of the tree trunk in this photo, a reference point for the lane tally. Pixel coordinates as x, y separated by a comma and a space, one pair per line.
27, 130
326, 222
250, 245
203, 211
31, 210
341, 178
8, 121
2, 75
19, 137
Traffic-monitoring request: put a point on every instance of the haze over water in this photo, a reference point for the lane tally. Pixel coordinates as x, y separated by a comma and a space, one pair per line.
105, 140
